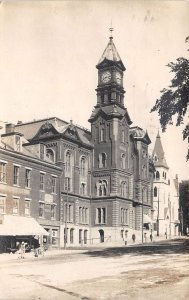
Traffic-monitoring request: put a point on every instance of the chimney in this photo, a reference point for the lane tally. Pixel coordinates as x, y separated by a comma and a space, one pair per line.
10, 128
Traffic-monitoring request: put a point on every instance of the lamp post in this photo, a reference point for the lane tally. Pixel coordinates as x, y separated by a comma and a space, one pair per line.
158, 215
66, 208
142, 220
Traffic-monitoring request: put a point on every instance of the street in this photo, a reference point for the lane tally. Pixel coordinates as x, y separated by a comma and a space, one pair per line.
159, 270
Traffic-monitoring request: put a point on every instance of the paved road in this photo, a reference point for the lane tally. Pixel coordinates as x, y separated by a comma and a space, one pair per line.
154, 271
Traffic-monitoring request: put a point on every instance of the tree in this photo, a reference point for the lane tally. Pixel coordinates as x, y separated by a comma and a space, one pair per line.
174, 100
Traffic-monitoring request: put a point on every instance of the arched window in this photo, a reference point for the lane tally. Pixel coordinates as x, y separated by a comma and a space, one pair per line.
102, 160
123, 189
83, 166
165, 175
123, 161
123, 136
101, 188
102, 134
50, 154
155, 191
157, 175
68, 161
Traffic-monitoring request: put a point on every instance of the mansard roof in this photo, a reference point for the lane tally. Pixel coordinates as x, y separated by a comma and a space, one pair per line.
111, 54
158, 154
110, 111
51, 129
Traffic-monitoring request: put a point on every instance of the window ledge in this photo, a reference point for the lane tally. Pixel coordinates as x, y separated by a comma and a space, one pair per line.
16, 185
2, 182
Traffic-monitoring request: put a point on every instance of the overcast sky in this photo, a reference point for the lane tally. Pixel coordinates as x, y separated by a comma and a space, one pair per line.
49, 50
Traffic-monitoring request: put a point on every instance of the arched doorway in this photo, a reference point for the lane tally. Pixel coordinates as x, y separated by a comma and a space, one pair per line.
101, 235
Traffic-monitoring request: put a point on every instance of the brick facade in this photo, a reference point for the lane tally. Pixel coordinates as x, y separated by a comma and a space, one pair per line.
103, 175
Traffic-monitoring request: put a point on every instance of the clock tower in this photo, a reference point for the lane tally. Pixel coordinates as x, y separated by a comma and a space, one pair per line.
110, 122
110, 77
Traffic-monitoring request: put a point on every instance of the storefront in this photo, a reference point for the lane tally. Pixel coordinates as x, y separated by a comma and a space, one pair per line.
15, 229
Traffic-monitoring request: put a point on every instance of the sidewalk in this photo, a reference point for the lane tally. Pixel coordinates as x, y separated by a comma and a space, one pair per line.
54, 252
49, 253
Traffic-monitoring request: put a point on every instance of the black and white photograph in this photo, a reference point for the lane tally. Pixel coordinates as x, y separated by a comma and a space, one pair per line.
94, 150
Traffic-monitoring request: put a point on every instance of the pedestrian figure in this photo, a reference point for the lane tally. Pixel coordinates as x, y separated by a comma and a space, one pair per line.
36, 247
151, 237
133, 237
22, 250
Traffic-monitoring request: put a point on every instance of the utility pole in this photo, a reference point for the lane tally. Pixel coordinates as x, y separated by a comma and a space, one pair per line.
66, 210
158, 215
142, 221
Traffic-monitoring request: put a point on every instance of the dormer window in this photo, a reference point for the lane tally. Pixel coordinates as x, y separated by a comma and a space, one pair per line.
42, 151
51, 155
17, 143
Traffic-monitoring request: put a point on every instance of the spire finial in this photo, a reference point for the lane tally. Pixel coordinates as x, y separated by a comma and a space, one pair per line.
111, 29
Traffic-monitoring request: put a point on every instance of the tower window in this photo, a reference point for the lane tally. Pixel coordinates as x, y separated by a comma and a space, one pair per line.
124, 189
123, 136
101, 188
155, 191
157, 175
102, 160
123, 161
102, 134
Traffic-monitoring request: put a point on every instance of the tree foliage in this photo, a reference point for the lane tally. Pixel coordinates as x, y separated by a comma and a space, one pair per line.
174, 100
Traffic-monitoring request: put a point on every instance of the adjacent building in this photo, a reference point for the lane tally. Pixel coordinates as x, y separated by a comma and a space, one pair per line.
184, 206
165, 195
83, 187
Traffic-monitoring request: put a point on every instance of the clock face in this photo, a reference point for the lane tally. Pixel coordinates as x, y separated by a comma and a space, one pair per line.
118, 77
106, 76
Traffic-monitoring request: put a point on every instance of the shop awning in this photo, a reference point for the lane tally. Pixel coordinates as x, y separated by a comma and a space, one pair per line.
17, 225
147, 219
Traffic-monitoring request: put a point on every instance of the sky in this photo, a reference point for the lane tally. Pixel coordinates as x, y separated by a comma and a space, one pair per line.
49, 50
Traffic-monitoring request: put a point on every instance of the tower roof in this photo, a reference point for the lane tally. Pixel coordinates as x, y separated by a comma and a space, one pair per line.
111, 54
158, 154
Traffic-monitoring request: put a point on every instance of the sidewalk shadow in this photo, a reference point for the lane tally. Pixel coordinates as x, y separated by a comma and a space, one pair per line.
166, 247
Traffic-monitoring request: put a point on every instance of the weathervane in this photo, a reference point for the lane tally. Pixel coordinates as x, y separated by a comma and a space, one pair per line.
111, 30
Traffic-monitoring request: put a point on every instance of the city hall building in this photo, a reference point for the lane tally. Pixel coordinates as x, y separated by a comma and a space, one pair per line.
82, 187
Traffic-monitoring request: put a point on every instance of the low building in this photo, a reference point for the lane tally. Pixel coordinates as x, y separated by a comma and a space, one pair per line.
29, 189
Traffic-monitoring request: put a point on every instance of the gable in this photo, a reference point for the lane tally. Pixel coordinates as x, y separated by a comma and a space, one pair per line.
71, 132
47, 130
